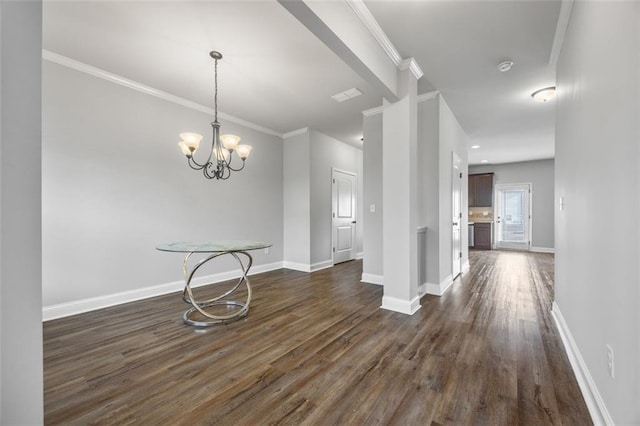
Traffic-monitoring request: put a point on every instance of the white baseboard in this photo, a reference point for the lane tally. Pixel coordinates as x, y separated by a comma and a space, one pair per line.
466, 267
408, 307
91, 304
321, 265
437, 289
542, 249
306, 267
598, 410
372, 279
359, 255
302, 267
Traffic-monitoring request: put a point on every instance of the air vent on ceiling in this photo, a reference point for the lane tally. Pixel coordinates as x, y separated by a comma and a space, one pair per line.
347, 94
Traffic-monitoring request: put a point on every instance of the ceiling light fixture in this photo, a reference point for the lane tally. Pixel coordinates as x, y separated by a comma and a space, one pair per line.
484, 161
222, 146
475, 146
505, 66
544, 95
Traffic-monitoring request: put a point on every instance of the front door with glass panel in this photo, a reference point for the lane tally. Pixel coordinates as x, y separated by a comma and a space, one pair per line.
513, 216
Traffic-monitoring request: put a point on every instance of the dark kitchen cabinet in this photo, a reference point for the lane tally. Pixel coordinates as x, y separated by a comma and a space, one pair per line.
482, 236
481, 190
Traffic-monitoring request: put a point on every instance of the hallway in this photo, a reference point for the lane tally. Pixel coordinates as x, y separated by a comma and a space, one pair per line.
317, 349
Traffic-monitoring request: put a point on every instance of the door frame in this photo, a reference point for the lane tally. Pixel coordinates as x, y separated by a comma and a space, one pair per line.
456, 255
354, 202
497, 227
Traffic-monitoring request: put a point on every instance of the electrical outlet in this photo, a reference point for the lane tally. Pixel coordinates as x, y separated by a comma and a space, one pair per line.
266, 250
610, 363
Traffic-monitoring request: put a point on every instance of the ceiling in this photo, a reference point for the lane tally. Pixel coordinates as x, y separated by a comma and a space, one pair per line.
278, 75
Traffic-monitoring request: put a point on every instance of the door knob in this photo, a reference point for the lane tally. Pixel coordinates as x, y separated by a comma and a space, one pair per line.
353, 221
455, 223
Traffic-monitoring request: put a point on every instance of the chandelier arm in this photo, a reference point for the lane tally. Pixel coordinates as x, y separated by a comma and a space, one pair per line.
194, 164
236, 170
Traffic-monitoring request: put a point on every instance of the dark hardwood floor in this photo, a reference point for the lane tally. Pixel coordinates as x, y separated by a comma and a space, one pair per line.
317, 349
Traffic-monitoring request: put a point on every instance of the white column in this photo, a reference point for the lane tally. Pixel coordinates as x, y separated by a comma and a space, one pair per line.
400, 198
21, 379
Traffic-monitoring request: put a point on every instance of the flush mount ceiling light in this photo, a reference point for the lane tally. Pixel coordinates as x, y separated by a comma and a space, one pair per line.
505, 66
484, 161
544, 95
222, 146
475, 146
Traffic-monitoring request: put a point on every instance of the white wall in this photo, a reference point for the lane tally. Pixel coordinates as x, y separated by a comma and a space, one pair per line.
372, 195
452, 139
309, 158
115, 185
540, 174
439, 134
297, 200
429, 178
597, 174
327, 153
21, 383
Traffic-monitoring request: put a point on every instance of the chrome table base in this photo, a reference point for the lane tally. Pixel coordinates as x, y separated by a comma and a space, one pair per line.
239, 309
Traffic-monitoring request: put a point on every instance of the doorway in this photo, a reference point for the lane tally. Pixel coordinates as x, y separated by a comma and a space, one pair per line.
344, 190
513, 216
456, 196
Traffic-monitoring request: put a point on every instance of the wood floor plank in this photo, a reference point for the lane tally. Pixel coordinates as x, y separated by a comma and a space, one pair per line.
317, 349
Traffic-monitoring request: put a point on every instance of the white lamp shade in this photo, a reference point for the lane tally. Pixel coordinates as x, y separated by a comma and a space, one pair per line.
191, 138
221, 154
244, 151
186, 150
230, 142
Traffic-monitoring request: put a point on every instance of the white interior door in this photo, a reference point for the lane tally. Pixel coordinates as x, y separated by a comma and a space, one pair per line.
456, 192
513, 216
344, 189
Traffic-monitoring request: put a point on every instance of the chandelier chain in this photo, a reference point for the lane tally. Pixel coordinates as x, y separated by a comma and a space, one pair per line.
215, 96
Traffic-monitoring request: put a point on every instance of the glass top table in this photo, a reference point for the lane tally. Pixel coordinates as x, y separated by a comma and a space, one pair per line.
221, 308
213, 246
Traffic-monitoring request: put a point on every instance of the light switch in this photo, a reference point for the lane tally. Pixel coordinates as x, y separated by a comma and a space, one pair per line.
372, 208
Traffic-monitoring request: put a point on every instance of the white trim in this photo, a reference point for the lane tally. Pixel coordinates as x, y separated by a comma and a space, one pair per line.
597, 409
114, 78
321, 265
465, 267
372, 279
359, 255
429, 95
412, 65
438, 289
561, 29
408, 307
295, 133
366, 17
542, 250
302, 267
421, 98
91, 304
373, 111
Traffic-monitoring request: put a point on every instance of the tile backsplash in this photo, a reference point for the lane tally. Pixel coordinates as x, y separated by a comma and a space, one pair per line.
480, 214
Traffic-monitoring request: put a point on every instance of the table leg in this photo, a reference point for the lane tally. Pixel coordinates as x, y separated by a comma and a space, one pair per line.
201, 305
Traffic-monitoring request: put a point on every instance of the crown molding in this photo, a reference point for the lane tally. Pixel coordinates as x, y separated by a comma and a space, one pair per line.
561, 29
427, 96
376, 31
373, 111
114, 78
363, 12
295, 133
412, 65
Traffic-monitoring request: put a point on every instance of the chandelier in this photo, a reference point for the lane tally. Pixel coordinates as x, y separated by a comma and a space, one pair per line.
218, 164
